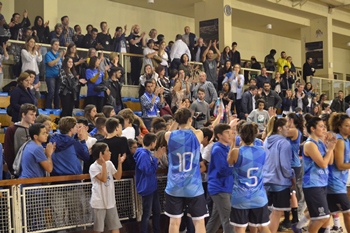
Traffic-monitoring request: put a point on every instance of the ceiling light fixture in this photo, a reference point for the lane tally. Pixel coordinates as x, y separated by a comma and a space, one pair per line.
348, 44
269, 26
150, 1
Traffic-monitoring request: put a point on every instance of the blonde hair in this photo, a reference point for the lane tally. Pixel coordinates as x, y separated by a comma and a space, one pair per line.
112, 56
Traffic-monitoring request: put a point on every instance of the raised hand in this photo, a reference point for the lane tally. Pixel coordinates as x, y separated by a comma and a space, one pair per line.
121, 159
46, 24
102, 160
25, 14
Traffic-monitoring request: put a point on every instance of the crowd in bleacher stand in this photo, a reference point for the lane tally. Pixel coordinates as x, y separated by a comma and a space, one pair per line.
218, 93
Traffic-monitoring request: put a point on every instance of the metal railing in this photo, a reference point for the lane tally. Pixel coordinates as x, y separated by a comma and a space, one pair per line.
53, 207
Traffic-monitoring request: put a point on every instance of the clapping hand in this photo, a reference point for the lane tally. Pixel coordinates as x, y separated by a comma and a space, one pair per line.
50, 148
46, 24
160, 152
330, 140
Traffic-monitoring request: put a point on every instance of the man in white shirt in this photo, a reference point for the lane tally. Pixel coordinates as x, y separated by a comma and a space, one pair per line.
177, 50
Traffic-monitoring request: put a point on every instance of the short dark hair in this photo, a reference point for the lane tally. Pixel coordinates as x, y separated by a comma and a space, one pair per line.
220, 128
178, 37
89, 25
35, 129
285, 67
259, 101
118, 28
54, 40
94, 30
158, 123
273, 51
75, 27
66, 124
267, 83
207, 133
103, 22
97, 148
248, 133
149, 138
30, 72
111, 125
119, 118
25, 108
63, 17
100, 122
182, 115
253, 87
83, 120
233, 44
148, 82
201, 90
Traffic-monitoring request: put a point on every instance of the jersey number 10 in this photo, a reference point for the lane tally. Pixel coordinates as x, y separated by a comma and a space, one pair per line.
182, 161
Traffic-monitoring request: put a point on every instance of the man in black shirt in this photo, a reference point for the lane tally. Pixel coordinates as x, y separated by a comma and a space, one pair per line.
136, 42
308, 70
235, 55
104, 40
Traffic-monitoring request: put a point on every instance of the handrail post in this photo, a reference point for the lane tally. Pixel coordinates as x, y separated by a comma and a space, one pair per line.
16, 208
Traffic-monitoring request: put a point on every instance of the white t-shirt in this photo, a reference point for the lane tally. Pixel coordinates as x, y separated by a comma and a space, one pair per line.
147, 61
129, 132
103, 194
206, 152
90, 142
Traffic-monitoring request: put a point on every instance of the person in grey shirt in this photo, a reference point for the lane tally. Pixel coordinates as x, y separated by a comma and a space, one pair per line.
259, 115
200, 107
210, 64
210, 93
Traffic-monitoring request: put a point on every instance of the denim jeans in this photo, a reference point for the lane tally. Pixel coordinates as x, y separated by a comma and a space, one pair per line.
149, 203
53, 86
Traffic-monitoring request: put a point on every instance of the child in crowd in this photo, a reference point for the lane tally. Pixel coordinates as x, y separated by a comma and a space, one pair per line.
103, 192
146, 181
117, 144
249, 200
101, 132
259, 115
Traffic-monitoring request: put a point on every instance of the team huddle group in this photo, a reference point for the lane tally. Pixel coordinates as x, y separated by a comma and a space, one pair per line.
227, 172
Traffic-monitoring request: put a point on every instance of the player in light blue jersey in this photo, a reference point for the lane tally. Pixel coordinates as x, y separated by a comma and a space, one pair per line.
249, 200
315, 180
296, 126
338, 172
184, 184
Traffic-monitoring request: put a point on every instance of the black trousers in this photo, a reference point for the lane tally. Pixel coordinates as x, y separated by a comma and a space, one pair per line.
67, 102
95, 100
136, 65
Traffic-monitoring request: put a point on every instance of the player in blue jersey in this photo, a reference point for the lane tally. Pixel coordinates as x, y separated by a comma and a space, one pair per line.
220, 180
338, 172
316, 159
249, 201
184, 184
279, 178
295, 123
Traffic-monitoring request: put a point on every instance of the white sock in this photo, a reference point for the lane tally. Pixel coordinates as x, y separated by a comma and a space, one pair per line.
302, 222
336, 221
328, 229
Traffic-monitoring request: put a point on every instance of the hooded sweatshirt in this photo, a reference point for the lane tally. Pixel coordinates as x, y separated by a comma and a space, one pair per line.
220, 179
277, 169
66, 158
145, 170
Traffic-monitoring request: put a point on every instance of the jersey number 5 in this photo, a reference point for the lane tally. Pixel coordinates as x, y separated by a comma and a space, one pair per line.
254, 178
182, 161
